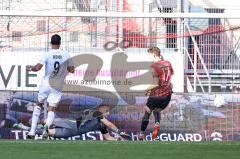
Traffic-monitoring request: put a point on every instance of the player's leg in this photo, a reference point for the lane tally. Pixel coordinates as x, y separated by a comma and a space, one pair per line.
49, 120
42, 95
161, 103
157, 117
35, 117
50, 114
53, 100
21, 126
62, 132
64, 129
145, 121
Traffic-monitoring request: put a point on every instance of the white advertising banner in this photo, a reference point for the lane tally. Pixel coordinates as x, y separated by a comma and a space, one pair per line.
13, 74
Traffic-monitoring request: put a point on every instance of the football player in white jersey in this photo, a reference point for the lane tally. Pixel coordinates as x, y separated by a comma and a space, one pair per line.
57, 64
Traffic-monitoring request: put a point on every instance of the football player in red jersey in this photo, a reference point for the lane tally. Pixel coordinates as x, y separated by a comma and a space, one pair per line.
160, 93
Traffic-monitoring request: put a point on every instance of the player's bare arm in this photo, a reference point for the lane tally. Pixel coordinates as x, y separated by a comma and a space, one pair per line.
35, 68
109, 124
71, 69
108, 137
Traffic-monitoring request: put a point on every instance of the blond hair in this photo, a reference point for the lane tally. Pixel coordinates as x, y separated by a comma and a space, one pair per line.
156, 51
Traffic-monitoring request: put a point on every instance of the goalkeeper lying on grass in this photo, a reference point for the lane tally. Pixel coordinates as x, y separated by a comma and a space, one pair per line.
68, 128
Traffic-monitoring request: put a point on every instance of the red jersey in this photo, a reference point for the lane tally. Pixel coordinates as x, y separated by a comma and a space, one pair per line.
164, 71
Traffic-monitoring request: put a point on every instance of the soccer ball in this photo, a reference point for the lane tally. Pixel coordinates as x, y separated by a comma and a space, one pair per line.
219, 101
216, 136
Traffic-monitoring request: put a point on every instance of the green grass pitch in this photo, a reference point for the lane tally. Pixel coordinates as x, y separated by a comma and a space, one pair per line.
117, 150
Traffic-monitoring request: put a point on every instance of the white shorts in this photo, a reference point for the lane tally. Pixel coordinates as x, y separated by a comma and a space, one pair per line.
51, 95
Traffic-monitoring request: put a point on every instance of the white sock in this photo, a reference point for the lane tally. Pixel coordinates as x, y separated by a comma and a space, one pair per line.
24, 127
50, 118
35, 116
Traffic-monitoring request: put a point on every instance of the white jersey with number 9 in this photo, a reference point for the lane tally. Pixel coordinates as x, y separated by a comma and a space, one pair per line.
53, 61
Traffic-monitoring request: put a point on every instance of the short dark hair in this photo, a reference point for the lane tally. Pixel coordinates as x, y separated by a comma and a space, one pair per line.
55, 39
